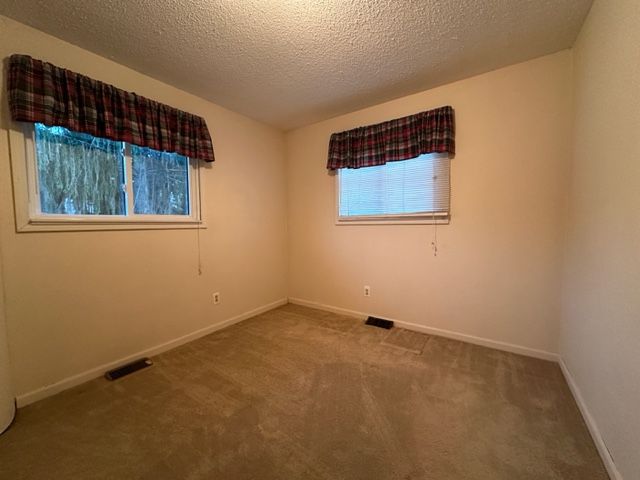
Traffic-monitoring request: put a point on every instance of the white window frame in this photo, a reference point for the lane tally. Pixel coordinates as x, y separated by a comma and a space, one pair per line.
29, 217
439, 218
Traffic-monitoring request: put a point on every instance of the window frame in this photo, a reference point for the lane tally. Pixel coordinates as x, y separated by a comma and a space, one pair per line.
439, 218
29, 217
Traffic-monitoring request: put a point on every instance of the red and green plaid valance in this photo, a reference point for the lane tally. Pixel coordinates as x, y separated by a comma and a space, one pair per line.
41, 92
432, 131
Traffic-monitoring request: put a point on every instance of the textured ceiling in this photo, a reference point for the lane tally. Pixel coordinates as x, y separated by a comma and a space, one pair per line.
294, 62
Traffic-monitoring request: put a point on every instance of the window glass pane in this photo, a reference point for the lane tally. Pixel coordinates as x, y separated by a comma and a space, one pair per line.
416, 186
79, 174
160, 182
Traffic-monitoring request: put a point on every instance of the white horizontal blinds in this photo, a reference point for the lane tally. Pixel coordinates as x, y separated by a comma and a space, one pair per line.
419, 186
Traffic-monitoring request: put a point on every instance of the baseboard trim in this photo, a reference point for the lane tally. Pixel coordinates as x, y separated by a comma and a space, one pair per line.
69, 382
485, 342
530, 352
591, 424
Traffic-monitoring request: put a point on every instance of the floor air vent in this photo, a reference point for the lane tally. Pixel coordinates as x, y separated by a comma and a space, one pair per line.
379, 322
120, 372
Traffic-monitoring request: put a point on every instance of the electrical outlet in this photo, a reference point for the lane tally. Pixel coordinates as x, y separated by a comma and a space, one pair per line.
367, 291
216, 298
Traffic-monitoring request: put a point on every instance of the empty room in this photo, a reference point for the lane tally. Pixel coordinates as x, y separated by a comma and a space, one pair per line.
320, 239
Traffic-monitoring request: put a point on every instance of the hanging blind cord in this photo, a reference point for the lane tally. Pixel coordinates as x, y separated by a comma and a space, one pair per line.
434, 243
199, 225
199, 251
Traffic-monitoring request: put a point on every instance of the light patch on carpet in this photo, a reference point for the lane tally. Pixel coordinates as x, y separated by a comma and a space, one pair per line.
407, 340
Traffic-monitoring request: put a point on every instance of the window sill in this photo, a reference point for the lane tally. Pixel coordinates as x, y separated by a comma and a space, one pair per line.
82, 225
382, 220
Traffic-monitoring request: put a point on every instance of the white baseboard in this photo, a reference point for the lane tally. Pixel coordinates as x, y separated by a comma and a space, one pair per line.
591, 424
69, 382
530, 352
485, 342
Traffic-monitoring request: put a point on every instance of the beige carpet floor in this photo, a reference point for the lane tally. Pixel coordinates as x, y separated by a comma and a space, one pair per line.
298, 393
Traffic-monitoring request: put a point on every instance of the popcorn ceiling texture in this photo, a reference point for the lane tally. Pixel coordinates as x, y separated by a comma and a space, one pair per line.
293, 62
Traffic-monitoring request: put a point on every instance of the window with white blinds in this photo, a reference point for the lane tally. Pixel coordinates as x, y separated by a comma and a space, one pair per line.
404, 190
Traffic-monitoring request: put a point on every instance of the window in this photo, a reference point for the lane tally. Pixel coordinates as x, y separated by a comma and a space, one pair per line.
408, 191
77, 179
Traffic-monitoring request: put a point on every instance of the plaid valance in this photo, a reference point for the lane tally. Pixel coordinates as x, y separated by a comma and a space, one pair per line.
432, 131
41, 92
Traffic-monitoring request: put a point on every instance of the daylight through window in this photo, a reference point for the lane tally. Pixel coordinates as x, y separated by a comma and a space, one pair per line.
81, 176
405, 190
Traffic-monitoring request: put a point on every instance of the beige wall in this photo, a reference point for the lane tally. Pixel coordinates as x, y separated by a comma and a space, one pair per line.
6, 384
497, 271
600, 338
78, 300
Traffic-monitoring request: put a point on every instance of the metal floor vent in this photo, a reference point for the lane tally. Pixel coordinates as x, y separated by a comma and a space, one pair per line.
379, 322
128, 368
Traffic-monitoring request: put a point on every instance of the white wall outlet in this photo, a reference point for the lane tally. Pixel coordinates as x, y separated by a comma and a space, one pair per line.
216, 298
367, 291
